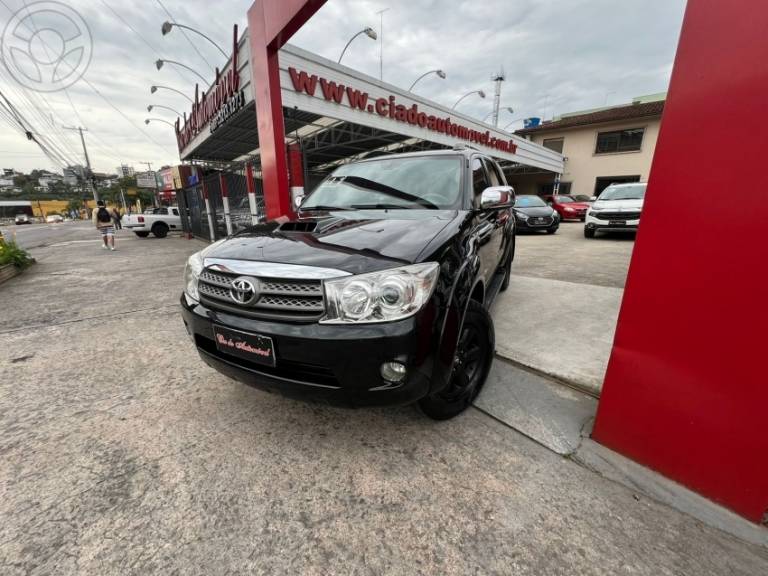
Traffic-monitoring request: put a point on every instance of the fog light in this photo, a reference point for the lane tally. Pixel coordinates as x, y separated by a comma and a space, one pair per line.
393, 371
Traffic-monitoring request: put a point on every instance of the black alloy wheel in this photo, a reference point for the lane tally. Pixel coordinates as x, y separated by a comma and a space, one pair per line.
471, 364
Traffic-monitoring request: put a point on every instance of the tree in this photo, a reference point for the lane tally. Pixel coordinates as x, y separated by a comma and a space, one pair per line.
74, 204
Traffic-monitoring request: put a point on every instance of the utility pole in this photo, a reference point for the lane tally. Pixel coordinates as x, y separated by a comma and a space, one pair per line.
381, 42
88, 181
498, 78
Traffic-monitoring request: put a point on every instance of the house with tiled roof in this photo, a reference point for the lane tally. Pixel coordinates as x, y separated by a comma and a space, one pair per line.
601, 146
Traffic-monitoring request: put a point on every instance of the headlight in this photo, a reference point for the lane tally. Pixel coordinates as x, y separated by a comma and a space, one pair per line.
568, 209
192, 273
521, 216
380, 296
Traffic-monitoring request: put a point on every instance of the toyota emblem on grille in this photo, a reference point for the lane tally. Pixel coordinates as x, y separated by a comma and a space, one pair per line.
243, 290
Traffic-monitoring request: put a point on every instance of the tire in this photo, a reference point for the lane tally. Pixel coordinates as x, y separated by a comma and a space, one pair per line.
507, 267
551, 230
472, 362
160, 230
142, 234
589, 232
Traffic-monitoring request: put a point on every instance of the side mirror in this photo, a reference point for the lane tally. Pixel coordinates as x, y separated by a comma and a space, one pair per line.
297, 200
497, 197
592, 198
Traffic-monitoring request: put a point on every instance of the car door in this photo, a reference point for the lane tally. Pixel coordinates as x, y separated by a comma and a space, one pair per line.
486, 223
499, 218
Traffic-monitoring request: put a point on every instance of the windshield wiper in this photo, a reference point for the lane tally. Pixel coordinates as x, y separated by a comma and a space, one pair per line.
378, 207
321, 207
388, 191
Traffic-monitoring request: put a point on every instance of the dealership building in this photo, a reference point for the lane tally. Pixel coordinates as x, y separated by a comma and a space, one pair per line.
614, 144
331, 115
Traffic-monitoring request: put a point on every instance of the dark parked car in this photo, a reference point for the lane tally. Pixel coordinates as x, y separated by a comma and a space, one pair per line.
533, 214
376, 293
567, 206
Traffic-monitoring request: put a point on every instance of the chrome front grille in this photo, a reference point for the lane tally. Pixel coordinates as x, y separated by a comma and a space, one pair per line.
276, 298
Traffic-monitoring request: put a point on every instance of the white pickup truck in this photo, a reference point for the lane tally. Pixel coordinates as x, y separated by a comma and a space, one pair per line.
159, 221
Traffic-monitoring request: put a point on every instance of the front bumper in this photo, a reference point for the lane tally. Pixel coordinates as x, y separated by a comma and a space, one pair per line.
526, 225
337, 364
574, 215
611, 225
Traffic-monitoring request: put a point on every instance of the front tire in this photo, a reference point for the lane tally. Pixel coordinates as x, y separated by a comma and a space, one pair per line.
551, 230
472, 362
589, 232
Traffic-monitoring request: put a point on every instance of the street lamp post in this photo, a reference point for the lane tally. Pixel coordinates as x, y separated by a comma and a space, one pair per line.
478, 92
159, 63
151, 106
439, 73
148, 120
513, 121
154, 89
168, 26
368, 31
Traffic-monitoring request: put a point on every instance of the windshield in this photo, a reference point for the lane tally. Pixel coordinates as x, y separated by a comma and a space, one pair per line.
633, 192
426, 182
581, 198
564, 199
529, 202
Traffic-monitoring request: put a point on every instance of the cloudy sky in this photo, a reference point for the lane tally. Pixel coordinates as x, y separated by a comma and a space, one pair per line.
558, 56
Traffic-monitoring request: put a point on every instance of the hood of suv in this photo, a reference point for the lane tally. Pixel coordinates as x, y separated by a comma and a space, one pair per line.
355, 241
618, 205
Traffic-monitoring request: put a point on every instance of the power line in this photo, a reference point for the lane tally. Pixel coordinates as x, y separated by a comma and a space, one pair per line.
143, 39
108, 101
56, 140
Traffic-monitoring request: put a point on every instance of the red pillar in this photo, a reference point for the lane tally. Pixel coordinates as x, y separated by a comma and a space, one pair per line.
686, 391
270, 25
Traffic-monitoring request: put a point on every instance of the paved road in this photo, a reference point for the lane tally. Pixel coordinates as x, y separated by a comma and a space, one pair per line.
36, 235
123, 454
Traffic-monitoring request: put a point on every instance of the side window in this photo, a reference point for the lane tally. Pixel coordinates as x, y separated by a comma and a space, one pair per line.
493, 173
163, 211
175, 212
479, 177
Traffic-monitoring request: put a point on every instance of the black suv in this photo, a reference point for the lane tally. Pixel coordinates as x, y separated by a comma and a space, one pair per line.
376, 293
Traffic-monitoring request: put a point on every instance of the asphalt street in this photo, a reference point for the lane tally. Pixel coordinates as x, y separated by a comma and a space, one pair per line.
36, 235
122, 453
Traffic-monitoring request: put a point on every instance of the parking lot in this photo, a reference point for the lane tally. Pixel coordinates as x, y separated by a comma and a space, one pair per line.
569, 257
124, 454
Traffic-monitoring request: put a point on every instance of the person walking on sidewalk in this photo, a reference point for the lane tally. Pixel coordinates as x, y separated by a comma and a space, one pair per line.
116, 219
103, 221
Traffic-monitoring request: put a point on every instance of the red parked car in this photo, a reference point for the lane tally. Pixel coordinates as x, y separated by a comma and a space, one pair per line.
568, 207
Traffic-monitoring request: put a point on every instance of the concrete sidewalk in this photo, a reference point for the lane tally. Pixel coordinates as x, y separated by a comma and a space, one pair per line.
124, 454
561, 329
